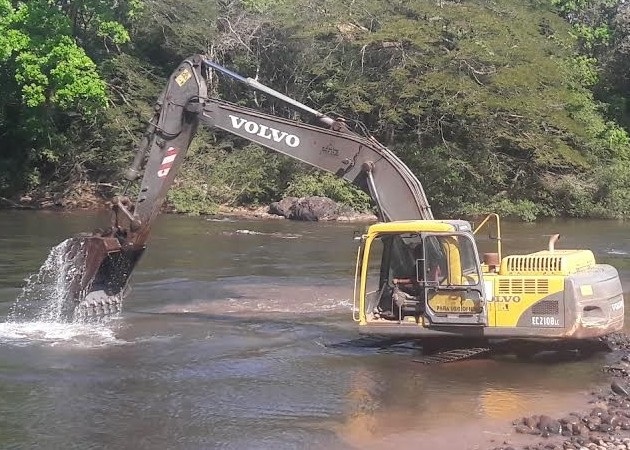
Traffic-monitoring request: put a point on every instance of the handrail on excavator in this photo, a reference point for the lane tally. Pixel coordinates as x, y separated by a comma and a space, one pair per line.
497, 221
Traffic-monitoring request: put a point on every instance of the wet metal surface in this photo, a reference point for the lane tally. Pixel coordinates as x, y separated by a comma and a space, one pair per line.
238, 335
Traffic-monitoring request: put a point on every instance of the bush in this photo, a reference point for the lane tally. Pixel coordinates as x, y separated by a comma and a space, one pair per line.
613, 193
524, 210
192, 198
250, 175
215, 175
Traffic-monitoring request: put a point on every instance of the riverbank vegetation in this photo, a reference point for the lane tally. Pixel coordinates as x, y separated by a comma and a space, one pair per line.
516, 107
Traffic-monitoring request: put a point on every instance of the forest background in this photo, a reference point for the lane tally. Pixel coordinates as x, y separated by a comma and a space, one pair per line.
520, 107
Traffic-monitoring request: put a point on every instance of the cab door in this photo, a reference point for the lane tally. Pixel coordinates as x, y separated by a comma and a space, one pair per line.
454, 285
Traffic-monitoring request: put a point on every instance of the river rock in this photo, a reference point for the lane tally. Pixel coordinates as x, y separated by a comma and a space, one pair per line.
580, 429
524, 429
282, 207
592, 422
547, 424
570, 420
310, 209
532, 421
620, 388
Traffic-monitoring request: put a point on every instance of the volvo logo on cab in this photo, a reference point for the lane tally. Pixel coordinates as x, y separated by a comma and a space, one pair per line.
264, 131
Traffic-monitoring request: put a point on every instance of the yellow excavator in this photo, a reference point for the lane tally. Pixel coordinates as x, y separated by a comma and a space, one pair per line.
415, 275
425, 279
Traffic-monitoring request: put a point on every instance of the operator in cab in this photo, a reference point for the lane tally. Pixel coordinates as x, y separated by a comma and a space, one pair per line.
407, 290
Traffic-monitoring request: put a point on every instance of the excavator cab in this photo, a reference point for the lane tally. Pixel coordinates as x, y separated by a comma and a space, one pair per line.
423, 273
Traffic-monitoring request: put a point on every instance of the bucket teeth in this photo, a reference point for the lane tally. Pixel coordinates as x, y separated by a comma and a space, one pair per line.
98, 304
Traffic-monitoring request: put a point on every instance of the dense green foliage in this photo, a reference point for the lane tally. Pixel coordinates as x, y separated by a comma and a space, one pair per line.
52, 90
508, 106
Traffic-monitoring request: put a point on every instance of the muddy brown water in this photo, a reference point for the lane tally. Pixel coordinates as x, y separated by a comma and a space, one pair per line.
238, 335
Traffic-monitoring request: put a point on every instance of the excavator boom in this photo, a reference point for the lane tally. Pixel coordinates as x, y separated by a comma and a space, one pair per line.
106, 258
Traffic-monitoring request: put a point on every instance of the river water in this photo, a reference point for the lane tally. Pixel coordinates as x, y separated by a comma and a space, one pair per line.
238, 335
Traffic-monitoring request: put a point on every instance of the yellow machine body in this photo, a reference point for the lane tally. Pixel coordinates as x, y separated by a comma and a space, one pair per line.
549, 294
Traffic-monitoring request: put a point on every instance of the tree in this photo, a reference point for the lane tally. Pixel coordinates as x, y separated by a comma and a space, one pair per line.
487, 102
51, 90
484, 101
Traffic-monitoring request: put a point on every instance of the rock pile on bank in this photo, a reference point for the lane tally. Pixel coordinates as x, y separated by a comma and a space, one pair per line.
605, 426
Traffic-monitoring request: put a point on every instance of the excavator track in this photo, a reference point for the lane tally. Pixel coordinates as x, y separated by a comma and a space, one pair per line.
453, 355
397, 345
378, 343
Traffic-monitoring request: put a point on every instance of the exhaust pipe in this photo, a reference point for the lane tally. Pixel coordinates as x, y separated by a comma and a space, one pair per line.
552, 241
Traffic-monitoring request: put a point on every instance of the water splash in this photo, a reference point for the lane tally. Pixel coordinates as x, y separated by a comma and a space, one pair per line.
46, 311
52, 296
46, 297
82, 335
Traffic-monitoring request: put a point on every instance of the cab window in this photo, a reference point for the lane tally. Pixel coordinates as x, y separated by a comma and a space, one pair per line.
452, 260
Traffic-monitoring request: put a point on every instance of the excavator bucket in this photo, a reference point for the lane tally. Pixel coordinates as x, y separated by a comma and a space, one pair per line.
98, 274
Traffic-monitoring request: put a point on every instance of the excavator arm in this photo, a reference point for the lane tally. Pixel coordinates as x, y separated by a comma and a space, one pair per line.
107, 258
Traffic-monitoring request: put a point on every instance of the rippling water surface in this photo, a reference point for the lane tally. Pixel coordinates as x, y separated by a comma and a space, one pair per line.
238, 334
